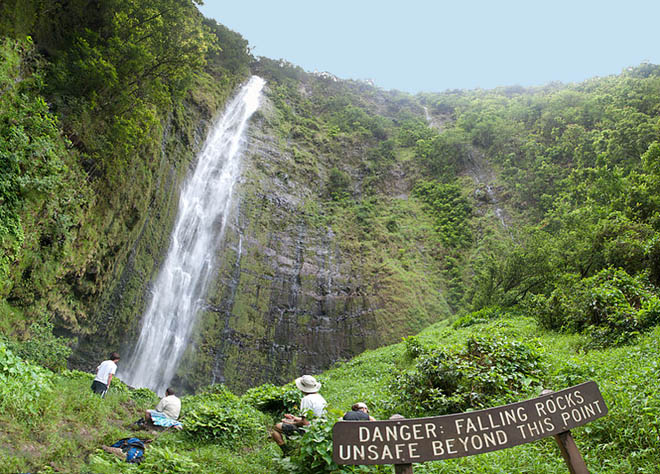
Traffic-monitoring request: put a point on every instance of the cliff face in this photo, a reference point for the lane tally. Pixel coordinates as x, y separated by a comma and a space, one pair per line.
303, 279
114, 319
328, 253
296, 289
287, 298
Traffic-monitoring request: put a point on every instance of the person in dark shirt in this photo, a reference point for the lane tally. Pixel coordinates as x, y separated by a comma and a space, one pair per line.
359, 412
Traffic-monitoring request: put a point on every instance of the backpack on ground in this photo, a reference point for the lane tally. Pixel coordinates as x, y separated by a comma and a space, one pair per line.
133, 447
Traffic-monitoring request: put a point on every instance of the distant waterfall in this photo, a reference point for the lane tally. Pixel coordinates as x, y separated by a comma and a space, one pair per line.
180, 287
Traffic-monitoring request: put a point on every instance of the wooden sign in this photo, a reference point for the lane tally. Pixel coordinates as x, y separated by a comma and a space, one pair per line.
406, 441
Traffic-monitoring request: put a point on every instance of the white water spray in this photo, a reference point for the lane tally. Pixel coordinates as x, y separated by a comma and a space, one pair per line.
180, 287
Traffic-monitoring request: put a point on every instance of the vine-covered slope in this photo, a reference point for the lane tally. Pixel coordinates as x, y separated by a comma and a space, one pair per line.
364, 215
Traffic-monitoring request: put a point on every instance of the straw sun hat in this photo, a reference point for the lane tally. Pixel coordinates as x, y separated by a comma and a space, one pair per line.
308, 384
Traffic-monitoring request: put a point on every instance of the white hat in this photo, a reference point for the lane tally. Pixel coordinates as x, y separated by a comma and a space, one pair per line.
308, 384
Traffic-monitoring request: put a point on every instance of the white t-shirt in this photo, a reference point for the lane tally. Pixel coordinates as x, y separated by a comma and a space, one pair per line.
104, 370
170, 406
314, 402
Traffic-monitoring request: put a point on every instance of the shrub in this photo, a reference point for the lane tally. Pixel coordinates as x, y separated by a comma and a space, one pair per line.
339, 184
78, 375
488, 370
449, 209
414, 348
21, 384
312, 452
43, 347
273, 399
143, 396
221, 418
612, 307
478, 317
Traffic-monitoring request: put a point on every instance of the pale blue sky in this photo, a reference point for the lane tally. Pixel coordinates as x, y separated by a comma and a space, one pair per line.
424, 45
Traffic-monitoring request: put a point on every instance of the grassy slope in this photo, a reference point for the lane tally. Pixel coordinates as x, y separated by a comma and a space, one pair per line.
72, 423
624, 441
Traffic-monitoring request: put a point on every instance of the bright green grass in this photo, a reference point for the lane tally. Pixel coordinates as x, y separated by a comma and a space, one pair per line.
70, 423
73, 423
625, 441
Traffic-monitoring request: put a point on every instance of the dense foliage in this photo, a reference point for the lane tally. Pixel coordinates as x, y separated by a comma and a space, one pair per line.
610, 307
512, 207
577, 163
99, 106
487, 371
21, 385
42, 347
272, 399
38, 208
450, 210
221, 417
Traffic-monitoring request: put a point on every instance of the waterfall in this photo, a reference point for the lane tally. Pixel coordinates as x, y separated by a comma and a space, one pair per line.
179, 290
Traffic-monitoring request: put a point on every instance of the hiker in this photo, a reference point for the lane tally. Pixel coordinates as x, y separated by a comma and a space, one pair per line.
167, 411
104, 373
359, 412
312, 402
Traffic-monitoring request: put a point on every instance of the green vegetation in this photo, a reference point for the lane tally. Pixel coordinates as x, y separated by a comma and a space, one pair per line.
610, 307
521, 224
576, 163
42, 347
449, 209
99, 112
219, 416
487, 371
507, 358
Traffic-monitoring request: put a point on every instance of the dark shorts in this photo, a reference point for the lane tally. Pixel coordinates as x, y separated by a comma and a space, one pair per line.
289, 429
99, 387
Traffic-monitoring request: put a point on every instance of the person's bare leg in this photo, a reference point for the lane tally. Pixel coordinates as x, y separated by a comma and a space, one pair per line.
276, 434
116, 451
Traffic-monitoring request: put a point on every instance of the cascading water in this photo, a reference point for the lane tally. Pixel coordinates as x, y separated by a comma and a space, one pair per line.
180, 287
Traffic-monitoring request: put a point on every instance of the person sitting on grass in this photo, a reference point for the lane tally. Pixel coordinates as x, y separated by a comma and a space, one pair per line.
359, 412
167, 411
313, 402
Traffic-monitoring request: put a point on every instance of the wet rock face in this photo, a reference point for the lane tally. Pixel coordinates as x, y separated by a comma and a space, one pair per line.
295, 289
286, 299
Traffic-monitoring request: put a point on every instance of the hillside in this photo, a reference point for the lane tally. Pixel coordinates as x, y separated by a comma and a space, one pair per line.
363, 215
229, 434
517, 224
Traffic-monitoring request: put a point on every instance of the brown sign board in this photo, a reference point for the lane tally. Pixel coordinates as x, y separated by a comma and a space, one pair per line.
406, 441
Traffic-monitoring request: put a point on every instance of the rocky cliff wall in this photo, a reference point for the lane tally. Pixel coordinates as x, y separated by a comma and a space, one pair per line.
113, 322
294, 291
302, 281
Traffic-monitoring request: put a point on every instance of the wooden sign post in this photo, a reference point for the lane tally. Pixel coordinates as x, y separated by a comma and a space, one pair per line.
569, 449
405, 441
403, 469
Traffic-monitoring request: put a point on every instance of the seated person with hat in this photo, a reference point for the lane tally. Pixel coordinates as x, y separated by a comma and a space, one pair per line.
359, 412
313, 402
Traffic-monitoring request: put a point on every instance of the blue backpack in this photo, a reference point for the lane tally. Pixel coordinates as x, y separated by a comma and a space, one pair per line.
133, 447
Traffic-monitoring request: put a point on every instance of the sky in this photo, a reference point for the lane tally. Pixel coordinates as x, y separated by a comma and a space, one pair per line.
426, 45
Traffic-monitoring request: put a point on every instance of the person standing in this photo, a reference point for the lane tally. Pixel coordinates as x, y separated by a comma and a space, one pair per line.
104, 373
312, 403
